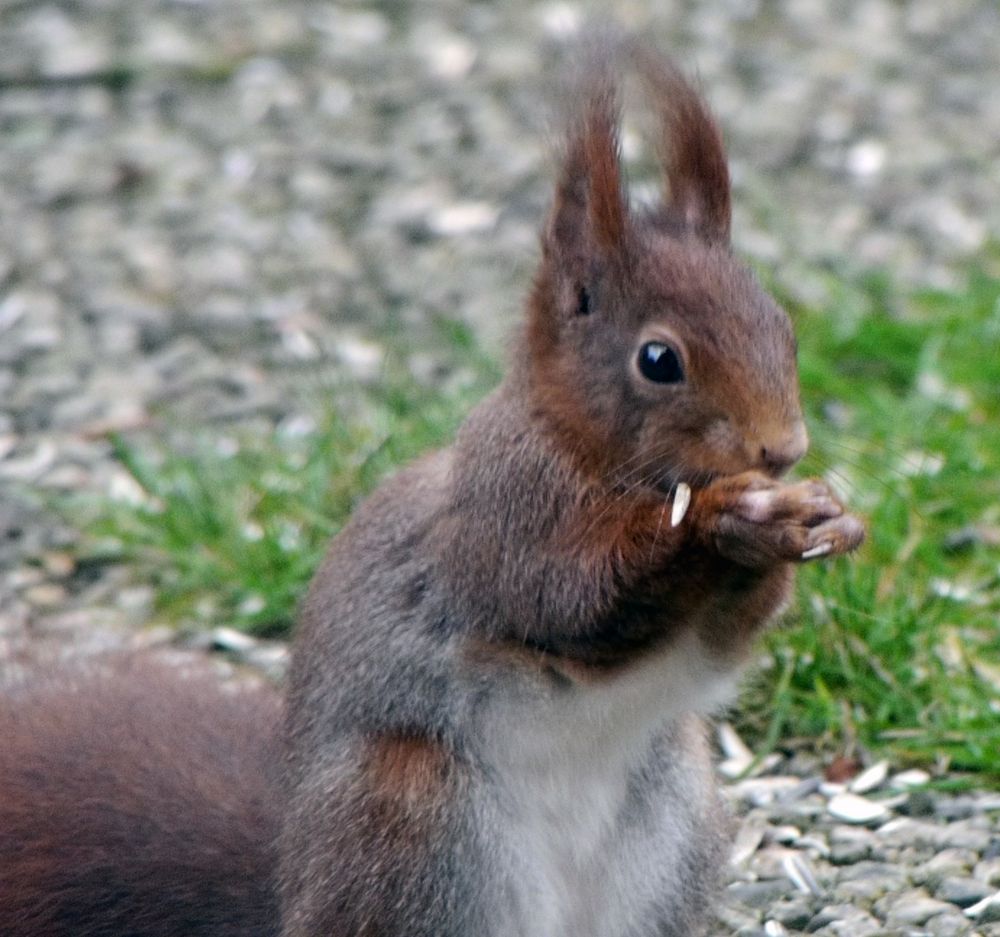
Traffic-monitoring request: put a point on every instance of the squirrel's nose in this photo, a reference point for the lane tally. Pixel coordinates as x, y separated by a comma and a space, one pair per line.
779, 454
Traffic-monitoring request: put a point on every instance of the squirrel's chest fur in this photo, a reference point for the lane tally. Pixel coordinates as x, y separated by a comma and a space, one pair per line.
597, 828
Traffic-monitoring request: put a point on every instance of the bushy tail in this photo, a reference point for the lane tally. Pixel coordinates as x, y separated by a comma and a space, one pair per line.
137, 799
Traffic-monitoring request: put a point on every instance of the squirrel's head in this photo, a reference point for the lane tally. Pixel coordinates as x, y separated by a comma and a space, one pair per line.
651, 350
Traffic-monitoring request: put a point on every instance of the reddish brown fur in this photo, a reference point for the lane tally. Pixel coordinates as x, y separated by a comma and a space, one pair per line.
549, 666
694, 155
376, 841
135, 802
412, 771
538, 548
617, 538
613, 446
600, 146
592, 236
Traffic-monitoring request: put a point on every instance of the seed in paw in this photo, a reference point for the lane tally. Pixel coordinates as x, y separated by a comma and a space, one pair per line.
682, 498
821, 549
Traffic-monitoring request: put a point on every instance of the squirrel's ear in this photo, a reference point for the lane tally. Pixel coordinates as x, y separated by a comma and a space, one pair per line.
693, 153
589, 218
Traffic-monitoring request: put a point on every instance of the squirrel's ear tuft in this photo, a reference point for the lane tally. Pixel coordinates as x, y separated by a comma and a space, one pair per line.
590, 214
693, 153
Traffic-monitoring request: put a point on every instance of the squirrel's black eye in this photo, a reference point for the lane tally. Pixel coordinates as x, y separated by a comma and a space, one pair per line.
660, 363
583, 302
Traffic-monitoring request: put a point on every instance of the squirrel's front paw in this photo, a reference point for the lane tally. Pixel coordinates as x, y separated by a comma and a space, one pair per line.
756, 521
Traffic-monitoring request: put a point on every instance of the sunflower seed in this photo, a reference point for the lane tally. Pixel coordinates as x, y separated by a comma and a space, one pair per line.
980, 908
682, 498
854, 809
870, 778
819, 550
800, 874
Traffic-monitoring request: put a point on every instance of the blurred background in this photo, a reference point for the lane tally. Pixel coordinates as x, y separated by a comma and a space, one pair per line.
255, 253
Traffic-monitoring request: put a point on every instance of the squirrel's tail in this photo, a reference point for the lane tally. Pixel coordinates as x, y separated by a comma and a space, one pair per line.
138, 799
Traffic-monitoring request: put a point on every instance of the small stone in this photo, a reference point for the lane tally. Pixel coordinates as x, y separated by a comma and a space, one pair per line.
760, 792
738, 758
364, 358
154, 636
757, 894
866, 158
857, 927
907, 779
844, 920
829, 914
299, 344
233, 641
870, 779
862, 893
59, 564
561, 20
852, 808
794, 913
732, 768
785, 834
451, 58
272, 658
731, 744
963, 835
734, 915
70, 51
867, 882
463, 218
849, 845
136, 600
848, 853
800, 791
986, 911
903, 831
876, 870
46, 595
963, 892
947, 925
949, 863
30, 467
747, 841
988, 871
955, 808
800, 873
814, 844
23, 578
918, 803
915, 909
768, 863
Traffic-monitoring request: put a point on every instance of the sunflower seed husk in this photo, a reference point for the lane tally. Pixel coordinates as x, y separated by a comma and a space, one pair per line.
682, 498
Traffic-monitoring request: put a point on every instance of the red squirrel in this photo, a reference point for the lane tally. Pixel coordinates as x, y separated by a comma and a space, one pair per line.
493, 724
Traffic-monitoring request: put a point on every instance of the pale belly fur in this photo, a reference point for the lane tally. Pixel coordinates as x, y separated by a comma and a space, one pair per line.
565, 764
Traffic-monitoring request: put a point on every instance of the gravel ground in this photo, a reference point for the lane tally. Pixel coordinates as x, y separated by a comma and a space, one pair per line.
213, 210
873, 854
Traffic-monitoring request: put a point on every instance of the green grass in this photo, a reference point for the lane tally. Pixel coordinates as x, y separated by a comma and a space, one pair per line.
895, 649
898, 648
231, 530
